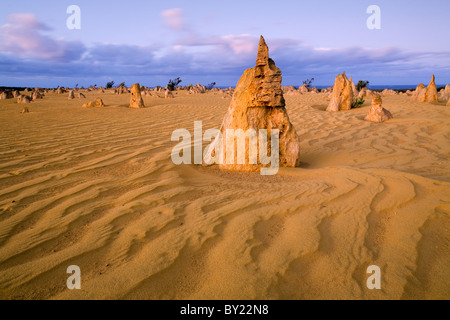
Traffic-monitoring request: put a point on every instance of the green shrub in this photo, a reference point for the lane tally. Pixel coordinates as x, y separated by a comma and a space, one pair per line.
109, 85
361, 84
358, 103
173, 84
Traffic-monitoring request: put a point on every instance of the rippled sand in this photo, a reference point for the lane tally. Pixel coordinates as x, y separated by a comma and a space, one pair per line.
97, 188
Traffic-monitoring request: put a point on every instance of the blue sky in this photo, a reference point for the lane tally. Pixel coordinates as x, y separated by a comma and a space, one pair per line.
204, 41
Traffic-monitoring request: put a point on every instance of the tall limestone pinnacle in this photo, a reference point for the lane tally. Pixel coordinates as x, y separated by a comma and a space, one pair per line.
262, 58
343, 94
136, 100
428, 94
258, 103
431, 95
265, 88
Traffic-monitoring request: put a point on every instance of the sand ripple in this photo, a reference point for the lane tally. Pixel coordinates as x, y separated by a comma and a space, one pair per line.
97, 188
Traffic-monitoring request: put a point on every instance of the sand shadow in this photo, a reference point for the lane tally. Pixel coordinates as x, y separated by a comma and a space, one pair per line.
127, 106
324, 107
303, 165
320, 107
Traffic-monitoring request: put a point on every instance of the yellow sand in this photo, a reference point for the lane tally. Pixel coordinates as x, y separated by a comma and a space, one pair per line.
97, 188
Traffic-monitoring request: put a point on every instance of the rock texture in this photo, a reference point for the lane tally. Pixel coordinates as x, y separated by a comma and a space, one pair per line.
197, 89
71, 95
342, 97
136, 100
23, 99
431, 95
36, 95
122, 90
388, 92
364, 92
98, 103
377, 113
258, 103
445, 93
303, 89
6, 95
168, 94
354, 90
419, 93
428, 94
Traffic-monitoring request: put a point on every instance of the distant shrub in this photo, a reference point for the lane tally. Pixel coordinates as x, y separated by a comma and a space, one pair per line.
308, 82
122, 84
173, 83
210, 86
109, 85
361, 84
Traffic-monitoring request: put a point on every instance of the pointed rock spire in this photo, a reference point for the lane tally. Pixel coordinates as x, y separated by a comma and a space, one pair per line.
263, 53
258, 103
428, 94
431, 94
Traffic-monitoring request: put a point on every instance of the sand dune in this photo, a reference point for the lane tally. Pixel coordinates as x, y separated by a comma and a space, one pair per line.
97, 188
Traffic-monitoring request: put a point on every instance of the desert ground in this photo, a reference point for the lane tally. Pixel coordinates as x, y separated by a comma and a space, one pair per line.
96, 188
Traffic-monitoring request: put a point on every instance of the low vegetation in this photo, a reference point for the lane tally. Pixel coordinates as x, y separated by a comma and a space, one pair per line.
173, 83
361, 84
358, 103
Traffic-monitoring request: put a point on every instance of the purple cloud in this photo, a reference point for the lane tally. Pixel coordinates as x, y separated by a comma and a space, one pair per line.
23, 36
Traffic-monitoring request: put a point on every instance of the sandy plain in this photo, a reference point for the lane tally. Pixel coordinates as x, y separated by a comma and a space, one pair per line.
97, 188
